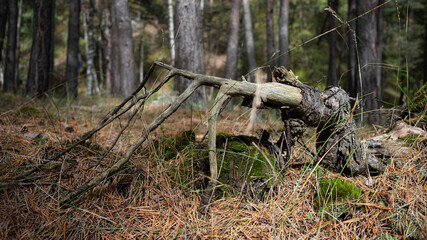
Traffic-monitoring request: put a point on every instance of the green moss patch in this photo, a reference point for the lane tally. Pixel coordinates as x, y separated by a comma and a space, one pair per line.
242, 167
29, 111
332, 195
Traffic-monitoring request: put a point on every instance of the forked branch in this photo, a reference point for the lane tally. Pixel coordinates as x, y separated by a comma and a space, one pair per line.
328, 111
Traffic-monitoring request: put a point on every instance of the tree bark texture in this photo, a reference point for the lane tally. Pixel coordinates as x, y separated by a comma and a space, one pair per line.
189, 45
250, 49
379, 45
351, 42
3, 21
283, 32
107, 50
123, 69
10, 80
72, 69
270, 37
366, 31
18, 42
92, 84
41, 60
171, 32
233, 40
141, 58
330, 112
332, 40
365, 52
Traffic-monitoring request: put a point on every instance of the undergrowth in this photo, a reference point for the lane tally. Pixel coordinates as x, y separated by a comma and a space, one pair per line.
158, 193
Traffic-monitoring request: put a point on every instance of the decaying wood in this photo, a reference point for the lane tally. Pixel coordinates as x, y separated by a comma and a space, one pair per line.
329, 111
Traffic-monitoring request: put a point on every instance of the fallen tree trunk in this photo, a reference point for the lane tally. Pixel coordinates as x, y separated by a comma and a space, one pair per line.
328, 111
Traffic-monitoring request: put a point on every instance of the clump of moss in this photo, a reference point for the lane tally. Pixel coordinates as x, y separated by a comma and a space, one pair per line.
330, 189
7, 96
243, 169
177, 144
29, 111
332, 194
241, 166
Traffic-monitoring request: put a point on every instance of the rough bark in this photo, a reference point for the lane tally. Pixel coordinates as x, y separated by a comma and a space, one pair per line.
337, 145
107, 50
379, 46
332, 40
92, 85
189, 46
141, 58
100, 49
171, 32
351, 42
233, 40
123, 68
18, 43
3, 21
270, 37
283, 32
367, 50
10, 80
250, 49
41, 60
72, 70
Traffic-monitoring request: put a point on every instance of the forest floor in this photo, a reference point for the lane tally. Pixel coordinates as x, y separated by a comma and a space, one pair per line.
146, 200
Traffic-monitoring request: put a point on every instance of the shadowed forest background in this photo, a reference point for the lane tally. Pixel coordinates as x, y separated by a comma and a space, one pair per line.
66, 65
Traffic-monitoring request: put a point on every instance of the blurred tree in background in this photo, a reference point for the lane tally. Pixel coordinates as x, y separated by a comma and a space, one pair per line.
319, 57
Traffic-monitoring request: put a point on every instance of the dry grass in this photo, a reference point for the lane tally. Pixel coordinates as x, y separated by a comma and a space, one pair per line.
143, 202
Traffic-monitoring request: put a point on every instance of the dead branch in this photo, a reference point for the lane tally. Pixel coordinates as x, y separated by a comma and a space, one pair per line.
329, 111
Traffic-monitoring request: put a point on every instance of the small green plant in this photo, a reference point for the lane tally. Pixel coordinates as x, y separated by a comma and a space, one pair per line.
386, 236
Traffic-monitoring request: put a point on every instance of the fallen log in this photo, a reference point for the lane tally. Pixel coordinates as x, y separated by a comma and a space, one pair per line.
329, 111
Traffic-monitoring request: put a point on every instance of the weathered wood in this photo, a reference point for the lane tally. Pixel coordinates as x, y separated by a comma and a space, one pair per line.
275, 94
121, 162
220, 100
329, 111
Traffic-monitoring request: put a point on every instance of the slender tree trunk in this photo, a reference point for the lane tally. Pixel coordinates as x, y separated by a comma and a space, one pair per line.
171, 32
332, 66
41, 60
72, 69
100, 60
379, 45
4, 6
89, 76
123, 56
283, 32
367, 50
270, 37
90, 52
141, 56
107, 51
114, 57
18, 43
10, 81
250, 49
352, 56
189, 45
233, 40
